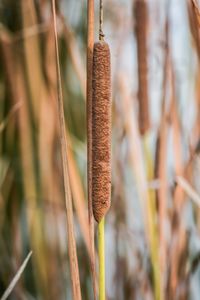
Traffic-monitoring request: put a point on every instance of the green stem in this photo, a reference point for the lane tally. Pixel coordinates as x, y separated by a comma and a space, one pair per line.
101, 260
153, 229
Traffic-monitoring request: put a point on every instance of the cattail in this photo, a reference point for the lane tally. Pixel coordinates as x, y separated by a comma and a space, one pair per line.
141, 18
101, 130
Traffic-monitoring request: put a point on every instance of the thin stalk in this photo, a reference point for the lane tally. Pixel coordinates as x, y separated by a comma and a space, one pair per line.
147, 197
33, 58
179, 236
76, 290
153, 229
141, 33
16, 278
101, 249
101, 34
161, 169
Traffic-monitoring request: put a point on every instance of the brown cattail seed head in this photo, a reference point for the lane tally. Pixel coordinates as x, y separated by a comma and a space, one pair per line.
101, 130
141, 19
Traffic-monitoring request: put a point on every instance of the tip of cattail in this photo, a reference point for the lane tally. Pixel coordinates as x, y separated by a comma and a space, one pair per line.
101, 130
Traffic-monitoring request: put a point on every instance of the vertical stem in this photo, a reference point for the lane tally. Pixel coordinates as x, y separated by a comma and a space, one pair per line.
141, 32
153, 230
74, 269
101, 247
101, 34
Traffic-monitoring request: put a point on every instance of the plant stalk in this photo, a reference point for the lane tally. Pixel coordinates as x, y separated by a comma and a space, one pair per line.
153, 229
101, 249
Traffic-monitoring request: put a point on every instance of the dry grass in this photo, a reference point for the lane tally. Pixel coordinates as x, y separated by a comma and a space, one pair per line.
152, 227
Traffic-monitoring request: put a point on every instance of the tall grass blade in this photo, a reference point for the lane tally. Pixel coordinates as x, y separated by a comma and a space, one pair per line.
16, 278
76, 290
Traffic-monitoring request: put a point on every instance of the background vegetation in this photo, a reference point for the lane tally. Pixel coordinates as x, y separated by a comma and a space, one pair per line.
153, 227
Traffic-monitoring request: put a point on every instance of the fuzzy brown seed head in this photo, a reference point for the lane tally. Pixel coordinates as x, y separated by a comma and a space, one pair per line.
141, 19
101, 130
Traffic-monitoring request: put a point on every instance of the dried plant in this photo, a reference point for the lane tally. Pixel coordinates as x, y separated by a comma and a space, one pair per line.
101, 131
150, 249
140, 11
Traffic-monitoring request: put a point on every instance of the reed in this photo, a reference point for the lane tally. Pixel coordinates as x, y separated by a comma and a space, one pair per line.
90, 45
149, 252
76, 290
101, 141
101, 131
140, 14
141, 23
161, 165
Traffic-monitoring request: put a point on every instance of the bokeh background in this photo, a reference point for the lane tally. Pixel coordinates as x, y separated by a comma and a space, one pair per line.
153, 226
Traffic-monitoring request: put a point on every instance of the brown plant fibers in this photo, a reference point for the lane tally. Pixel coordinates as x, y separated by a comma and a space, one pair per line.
141, 19
101, 130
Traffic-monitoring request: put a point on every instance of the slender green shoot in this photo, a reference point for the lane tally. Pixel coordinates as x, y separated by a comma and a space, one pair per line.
101, 249
153, 229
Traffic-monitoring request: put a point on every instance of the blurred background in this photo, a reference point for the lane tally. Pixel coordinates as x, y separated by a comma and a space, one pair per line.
153, 226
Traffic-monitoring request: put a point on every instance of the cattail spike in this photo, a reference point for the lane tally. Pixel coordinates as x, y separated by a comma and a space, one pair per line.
101, 130
141, 19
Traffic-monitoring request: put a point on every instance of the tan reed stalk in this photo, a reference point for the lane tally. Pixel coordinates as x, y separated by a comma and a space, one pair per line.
178, 242
78, 196
76, 290
41, 104
161, 171
33, 57
146, 196
141, 23
161, 195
